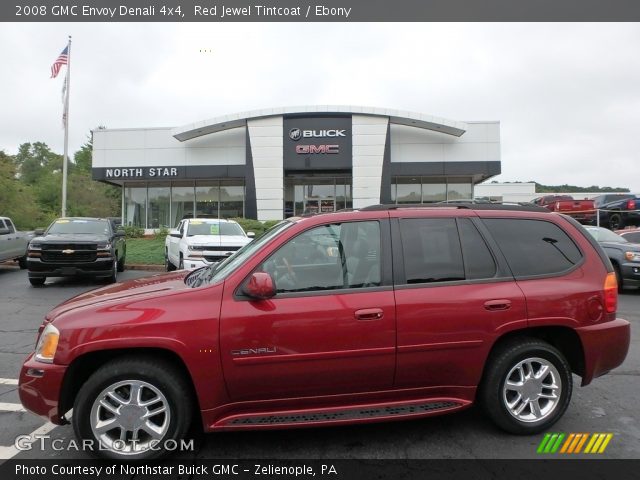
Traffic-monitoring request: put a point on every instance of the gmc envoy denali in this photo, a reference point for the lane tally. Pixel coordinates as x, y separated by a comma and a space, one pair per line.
386, 313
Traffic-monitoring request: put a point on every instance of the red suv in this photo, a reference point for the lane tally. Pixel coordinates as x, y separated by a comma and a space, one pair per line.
386, 313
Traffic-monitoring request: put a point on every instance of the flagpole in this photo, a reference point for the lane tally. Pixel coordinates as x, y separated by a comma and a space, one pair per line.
66, 132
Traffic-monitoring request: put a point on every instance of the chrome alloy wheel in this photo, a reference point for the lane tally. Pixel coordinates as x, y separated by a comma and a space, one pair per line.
130, 417
532, 390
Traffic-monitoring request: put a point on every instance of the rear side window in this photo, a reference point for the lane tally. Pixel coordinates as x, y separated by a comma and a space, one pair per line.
533, 247
478, 260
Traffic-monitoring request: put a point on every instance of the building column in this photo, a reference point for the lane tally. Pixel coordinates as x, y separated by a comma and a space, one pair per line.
265, 135
369, 139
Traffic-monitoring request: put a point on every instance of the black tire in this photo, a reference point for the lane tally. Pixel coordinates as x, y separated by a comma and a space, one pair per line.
161, 375
37, 281
113, 278
615, 221
22, 262
168, 266
121, 262
619, 279
181, 264
505, 360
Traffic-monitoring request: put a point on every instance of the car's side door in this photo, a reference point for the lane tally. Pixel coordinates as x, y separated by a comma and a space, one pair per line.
14, 247
453, 294
330, 329
174, 244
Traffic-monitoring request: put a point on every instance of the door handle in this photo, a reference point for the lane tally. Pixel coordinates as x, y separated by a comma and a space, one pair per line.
493, 305
369, 314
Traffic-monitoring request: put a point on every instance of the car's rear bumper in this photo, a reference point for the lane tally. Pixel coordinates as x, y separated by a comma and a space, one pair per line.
39, 388
605, 347
101, 267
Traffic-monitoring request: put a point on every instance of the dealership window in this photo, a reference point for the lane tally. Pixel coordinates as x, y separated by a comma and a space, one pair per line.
316, 194
207, 198
231, 199
135, 205
182, 201
158, 213
430, 189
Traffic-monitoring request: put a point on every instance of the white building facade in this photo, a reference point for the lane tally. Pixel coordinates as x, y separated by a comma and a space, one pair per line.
275, 163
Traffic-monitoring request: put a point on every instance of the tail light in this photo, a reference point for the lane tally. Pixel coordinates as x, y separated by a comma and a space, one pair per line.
611, 293
631, 204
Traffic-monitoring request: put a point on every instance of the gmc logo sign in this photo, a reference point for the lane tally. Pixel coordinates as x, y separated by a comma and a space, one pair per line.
324, 149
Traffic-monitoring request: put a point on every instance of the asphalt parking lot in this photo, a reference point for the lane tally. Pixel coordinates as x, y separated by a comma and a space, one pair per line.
609, 404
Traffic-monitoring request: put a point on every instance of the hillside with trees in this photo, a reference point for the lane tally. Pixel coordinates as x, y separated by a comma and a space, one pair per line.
31, 186
540, 188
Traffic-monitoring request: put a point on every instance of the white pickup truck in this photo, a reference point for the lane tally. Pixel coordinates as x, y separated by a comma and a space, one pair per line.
13, 244
198, 242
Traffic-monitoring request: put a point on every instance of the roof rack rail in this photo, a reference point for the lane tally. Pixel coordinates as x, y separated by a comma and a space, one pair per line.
469, 206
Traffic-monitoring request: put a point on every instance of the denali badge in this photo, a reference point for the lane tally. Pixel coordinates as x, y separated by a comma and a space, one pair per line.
295, 134
253, 351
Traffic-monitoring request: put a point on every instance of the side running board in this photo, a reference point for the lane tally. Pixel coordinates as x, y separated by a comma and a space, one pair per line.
396, 410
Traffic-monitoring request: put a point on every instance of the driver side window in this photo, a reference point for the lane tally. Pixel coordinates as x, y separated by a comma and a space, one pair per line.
328, 257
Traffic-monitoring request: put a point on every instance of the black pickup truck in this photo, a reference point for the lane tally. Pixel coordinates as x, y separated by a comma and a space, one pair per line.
617, 211
76, 246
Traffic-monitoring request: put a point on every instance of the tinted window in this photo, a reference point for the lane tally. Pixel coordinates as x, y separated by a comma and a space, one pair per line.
328, 257
533, 247
79, 227
10, 226
478, 260
604, 235
432, 251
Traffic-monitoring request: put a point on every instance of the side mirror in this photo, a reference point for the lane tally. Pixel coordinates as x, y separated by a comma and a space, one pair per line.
120, 232
38, 232
4, 231
175, 233
251, 234
260, 286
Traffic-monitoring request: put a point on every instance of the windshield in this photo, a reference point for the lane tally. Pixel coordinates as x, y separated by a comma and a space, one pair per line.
604, 235
79, 227
220, 271
213, 227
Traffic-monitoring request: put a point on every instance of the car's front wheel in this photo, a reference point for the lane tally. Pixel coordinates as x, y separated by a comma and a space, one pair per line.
527, 386
22, 262
133, 408
168, 266
37, 281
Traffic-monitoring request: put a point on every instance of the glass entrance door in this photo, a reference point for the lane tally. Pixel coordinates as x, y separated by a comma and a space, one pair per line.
316, 195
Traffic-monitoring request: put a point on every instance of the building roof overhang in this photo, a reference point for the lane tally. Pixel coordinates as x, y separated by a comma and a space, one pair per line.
400, 117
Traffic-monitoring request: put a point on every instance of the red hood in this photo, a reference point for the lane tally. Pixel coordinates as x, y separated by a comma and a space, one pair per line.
147, 286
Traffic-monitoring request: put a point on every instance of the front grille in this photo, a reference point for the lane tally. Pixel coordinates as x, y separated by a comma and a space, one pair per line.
211, 258
75, 252
202, 248
70, 246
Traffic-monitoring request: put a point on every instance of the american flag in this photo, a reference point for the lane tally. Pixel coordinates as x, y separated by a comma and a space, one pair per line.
62, 59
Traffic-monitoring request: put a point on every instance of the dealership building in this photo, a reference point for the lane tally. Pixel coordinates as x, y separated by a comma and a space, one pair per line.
274, 163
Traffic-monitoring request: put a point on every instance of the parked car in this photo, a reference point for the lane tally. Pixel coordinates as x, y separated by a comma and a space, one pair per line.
386, 313
630, 234
618, 211
198, 242
624, 255
13, 244
76, 246
582, 210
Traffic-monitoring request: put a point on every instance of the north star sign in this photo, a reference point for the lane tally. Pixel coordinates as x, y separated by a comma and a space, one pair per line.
147, 172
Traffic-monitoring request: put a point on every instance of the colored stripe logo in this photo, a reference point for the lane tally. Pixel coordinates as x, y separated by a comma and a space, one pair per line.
593, 443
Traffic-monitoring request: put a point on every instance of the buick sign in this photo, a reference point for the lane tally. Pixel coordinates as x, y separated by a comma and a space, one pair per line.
295, 134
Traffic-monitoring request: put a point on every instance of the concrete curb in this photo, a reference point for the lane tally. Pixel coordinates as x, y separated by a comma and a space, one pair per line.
150, 268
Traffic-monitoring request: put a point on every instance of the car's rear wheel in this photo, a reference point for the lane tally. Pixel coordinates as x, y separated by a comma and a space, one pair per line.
615, 221
37, 281
133, 408
168, 266
527, 386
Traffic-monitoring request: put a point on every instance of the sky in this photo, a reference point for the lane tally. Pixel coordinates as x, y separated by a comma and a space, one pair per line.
567, 95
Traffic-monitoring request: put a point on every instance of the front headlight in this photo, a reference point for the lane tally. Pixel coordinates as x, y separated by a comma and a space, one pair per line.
35, 246
104, 246
632, 256
47, 344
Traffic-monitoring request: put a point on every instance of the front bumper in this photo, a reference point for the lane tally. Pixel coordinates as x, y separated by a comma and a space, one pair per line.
630, 274
39, 388
605, 347
101, 267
